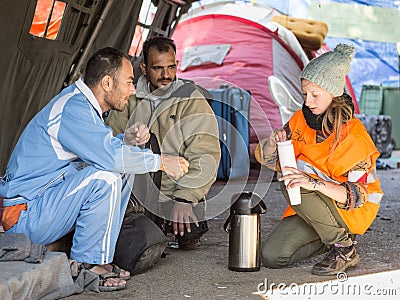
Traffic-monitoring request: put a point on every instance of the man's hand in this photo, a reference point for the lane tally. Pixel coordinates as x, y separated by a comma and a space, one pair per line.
136, 135
174, 166
181, 214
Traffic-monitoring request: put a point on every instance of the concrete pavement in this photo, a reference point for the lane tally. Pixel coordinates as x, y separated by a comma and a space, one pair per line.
204, 274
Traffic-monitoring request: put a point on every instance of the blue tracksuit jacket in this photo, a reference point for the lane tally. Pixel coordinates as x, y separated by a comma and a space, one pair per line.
69, 169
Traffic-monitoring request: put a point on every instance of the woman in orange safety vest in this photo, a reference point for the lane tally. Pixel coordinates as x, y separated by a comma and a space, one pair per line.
336, 172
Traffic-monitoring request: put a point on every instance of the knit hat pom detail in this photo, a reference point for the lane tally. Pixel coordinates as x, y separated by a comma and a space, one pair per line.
345, 50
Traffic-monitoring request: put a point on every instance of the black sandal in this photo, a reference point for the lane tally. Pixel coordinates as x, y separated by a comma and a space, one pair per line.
103, 278
117, 270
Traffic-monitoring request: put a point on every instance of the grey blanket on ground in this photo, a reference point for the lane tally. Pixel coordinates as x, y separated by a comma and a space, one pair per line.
83, 280
17, 246
65, 278
56, 277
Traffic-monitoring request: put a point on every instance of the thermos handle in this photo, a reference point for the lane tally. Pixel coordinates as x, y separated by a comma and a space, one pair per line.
263, 207
227, 222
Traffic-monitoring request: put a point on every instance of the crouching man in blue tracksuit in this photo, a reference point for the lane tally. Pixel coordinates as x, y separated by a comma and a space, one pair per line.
68, 172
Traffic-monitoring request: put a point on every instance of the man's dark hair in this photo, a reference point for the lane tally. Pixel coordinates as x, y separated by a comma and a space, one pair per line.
106, 61
163, 44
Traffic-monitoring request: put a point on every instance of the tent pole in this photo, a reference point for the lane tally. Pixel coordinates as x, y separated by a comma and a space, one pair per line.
90, 42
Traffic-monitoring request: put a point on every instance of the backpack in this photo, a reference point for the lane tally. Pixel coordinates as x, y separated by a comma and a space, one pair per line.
141, 241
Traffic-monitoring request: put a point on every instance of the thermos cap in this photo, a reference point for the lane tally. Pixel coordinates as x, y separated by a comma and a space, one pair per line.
247, 203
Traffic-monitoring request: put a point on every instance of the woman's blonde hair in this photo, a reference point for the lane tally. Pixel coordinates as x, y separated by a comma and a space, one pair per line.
337, 114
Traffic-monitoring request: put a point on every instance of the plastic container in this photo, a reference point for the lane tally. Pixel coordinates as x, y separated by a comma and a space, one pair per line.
371, 100
391, 107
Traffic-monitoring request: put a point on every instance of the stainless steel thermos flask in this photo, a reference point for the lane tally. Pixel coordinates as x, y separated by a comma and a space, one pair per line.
244, 227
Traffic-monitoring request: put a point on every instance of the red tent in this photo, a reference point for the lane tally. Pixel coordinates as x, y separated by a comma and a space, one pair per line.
254, 50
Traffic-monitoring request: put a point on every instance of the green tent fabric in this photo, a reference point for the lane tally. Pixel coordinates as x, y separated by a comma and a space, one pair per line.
34, 69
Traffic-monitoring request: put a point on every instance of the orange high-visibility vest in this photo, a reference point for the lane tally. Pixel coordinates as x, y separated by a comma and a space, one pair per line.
355, 145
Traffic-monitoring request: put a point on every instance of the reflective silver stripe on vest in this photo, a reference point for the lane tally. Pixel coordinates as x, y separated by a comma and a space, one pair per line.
375, 198
310, 169
372, 176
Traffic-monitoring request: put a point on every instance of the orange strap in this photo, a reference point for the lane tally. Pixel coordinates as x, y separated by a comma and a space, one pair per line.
288, 212
11, 215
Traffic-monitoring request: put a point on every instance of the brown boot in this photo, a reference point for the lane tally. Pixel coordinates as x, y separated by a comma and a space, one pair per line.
337, 260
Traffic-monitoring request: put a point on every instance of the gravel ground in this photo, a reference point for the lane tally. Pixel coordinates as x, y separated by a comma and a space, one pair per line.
204, 274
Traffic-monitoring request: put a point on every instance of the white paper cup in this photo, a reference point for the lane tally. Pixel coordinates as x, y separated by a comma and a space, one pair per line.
288, 159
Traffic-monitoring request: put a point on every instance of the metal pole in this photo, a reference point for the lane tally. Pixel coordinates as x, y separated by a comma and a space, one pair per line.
90, 42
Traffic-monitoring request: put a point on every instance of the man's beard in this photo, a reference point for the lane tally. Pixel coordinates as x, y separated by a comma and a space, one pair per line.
112, 101
159, 91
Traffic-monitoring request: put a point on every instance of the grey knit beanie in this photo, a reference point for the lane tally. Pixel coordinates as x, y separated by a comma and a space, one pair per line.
330, 69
